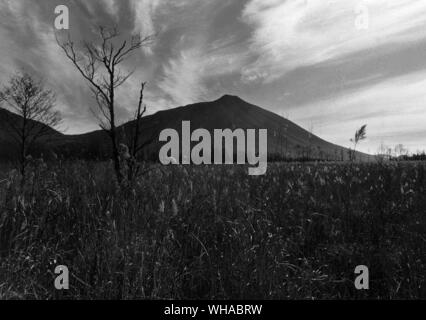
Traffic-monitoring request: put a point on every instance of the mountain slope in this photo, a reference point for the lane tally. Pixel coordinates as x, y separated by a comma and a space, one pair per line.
9, 138
285, 139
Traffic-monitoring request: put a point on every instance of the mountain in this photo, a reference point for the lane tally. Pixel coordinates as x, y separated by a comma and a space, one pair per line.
9, 121
285, 139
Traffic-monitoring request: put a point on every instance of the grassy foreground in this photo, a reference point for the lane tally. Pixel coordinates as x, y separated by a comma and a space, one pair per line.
215, 232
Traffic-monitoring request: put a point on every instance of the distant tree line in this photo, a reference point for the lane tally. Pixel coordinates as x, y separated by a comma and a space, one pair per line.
399, 153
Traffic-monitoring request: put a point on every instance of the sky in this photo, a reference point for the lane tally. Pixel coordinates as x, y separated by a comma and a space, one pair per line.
329, 66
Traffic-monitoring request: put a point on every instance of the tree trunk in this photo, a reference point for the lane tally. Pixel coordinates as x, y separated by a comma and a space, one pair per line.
23, 156
113, 133
116, 155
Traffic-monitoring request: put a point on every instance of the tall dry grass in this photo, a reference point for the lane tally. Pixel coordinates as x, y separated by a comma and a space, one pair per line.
214, 232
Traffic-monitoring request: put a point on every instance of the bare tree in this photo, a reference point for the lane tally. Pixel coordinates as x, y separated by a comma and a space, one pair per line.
29, 99
400, 151
381, 152
99, 63
360, 135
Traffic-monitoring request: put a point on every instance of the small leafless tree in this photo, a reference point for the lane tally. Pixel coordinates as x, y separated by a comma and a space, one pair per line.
29, 99
381, 153
400, 151
360, 135
99, 64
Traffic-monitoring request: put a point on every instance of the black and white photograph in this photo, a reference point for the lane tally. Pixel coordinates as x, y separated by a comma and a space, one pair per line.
213, 150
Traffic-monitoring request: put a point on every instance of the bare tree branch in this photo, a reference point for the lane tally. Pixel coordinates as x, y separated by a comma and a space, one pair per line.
34, 104
99, 64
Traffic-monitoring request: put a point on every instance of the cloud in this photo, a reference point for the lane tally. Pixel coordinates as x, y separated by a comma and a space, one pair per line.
145, 13
153, 17
288, 34
182, 81
111, 7
197, 58
393, 109
185, 76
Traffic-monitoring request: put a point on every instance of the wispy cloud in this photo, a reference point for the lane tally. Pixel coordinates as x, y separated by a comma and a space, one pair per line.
184, 76
393, 109
198, 55
288, 34
145, 11
182, 80
111, 7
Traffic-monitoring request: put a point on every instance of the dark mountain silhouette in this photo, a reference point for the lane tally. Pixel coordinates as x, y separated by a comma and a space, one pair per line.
285, 139
9, 139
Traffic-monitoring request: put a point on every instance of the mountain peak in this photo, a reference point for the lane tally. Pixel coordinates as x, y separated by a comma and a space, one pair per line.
228, 97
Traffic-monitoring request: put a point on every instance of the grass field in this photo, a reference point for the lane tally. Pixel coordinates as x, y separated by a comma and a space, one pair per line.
215, 232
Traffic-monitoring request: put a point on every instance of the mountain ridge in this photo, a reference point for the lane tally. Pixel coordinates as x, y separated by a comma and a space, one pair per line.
286, 139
